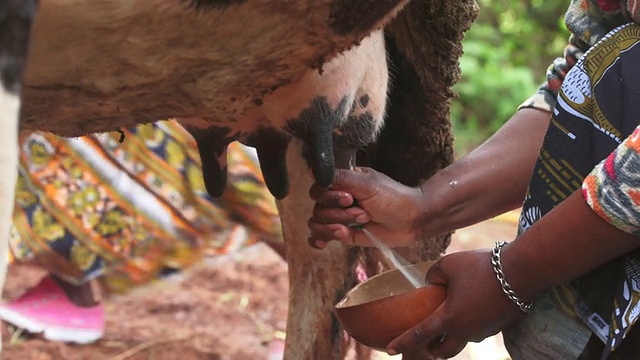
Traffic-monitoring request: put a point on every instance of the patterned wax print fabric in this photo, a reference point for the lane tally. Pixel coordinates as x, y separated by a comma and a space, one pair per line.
588, 21
127, 211
597, 109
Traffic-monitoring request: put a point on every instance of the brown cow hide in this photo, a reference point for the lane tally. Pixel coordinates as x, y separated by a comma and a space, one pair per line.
98, 65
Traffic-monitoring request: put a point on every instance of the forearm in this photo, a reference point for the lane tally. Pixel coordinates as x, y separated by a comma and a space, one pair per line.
568, 242
488, 181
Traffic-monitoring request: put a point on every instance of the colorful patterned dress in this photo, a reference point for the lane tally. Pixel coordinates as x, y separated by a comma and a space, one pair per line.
591, 144
129, 211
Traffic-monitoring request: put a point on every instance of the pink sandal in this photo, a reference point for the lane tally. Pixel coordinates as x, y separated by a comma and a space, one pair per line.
46, 309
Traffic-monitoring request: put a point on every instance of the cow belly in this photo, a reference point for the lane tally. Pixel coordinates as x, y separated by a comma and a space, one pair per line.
98, 65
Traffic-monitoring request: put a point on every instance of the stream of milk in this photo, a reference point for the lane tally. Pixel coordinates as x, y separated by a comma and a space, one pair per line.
413, 275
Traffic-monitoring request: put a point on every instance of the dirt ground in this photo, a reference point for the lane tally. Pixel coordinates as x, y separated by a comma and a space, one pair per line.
230, 307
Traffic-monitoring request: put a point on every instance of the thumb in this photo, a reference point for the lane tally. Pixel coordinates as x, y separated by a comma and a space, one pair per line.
435, 274
360, 182
420, 336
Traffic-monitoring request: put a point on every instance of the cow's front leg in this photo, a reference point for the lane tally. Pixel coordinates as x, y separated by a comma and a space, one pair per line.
16, 17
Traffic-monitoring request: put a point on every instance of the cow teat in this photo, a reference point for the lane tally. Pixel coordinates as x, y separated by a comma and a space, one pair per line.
212, 145
314, 126
271, 145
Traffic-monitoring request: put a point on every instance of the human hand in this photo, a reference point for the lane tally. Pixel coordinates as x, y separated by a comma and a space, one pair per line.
389, 210
474, 309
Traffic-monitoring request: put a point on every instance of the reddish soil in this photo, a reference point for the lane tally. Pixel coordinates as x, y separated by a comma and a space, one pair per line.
230, 307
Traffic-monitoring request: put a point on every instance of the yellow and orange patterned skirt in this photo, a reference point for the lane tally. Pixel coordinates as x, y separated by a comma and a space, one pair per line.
95, 207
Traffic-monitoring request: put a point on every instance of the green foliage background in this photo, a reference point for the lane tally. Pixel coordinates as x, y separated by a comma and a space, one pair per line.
506, 54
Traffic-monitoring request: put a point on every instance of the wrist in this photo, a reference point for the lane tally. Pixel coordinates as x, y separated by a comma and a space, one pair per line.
507, 289
521, 279
420, 212
435, 205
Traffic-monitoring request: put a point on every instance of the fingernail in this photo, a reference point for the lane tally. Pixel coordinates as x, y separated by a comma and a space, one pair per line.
337, 234
343, 200
354, 212
362, 219
392, 352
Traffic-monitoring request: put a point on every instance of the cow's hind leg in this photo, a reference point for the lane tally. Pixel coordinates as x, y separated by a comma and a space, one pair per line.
344, 115
316, 277
16, 17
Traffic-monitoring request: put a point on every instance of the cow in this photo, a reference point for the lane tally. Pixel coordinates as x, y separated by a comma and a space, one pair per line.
311, 84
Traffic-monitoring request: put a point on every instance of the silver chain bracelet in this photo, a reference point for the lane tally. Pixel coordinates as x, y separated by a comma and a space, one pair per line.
497, 269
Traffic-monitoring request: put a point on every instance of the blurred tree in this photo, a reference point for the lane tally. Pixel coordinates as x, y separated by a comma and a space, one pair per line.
506, 55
